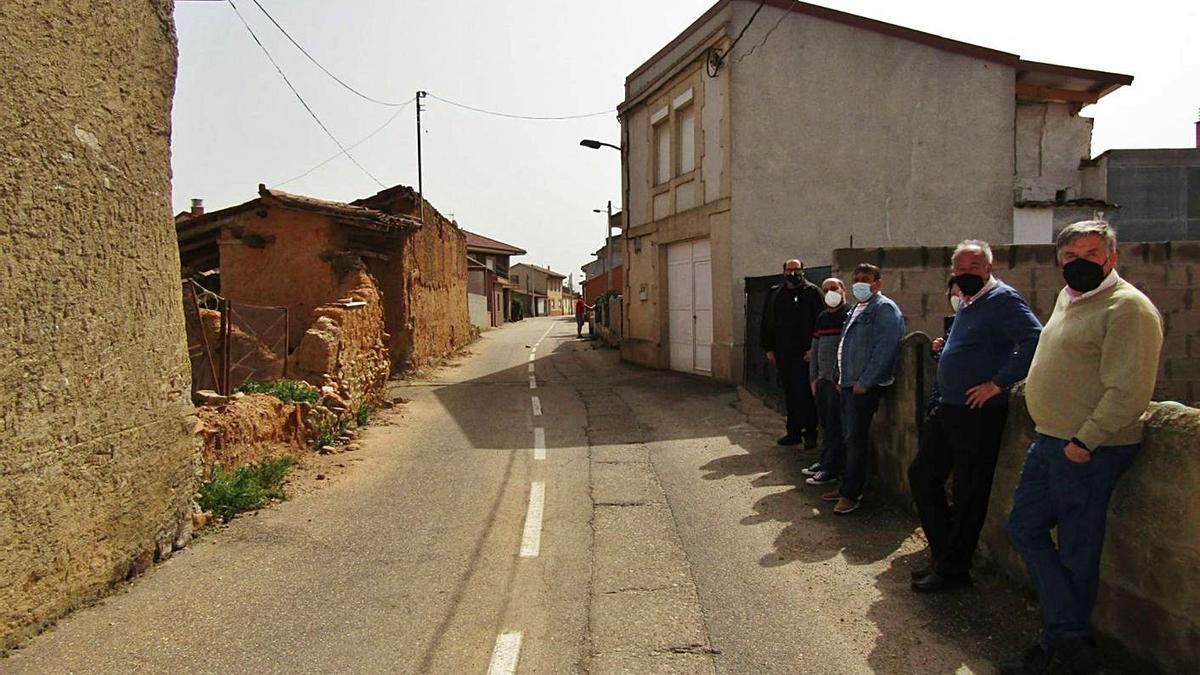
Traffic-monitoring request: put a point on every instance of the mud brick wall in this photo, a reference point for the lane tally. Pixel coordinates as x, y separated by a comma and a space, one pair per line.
435, 262
345, 346
98, 463
1148, 598
915, 277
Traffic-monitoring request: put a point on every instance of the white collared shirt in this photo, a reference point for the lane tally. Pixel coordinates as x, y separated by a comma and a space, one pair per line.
1074, 296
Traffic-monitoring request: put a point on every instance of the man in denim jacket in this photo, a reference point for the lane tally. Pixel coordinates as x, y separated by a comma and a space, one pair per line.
866, 364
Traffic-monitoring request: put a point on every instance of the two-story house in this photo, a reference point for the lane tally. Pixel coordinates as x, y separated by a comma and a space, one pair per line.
540, 289
489, 292
819, 130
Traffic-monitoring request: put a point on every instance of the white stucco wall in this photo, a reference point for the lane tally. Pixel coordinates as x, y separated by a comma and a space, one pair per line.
1051, 140
840, 133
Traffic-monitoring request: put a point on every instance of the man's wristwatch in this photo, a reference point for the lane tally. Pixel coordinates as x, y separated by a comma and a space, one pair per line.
1081, 444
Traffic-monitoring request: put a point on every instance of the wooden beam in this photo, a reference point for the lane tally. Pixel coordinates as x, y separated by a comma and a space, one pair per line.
1051, 94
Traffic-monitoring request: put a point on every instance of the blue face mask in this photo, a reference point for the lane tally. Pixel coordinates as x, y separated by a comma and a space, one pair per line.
862, 291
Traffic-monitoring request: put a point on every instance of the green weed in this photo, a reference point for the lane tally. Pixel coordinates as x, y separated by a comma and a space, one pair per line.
229, 492
288, 391
363, 416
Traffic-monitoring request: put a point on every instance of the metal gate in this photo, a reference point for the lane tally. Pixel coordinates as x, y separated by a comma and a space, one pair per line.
250, 343
760, 376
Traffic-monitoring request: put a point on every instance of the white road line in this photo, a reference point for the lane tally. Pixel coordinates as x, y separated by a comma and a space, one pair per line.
532, 355
531, 539
506, 654
531, 367
532, 382
537, 406
539, 443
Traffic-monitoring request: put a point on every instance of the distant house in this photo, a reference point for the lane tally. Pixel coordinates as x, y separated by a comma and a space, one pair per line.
605, 273
823, 130
286, 250
489, 291
540, 289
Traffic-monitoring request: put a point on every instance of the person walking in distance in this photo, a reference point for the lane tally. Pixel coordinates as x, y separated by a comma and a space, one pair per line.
866, 366
581, 310
788, 318
1091, 379
987, 351
822, 366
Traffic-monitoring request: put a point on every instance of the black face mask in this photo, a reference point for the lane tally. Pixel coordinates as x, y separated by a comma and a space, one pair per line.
969, 284
1083, 275
793, 280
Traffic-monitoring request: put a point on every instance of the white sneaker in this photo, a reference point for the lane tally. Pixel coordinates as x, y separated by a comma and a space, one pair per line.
811, 470
821, 478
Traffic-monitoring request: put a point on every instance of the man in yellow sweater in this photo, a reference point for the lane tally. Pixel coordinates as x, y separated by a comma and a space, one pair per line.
1091, 379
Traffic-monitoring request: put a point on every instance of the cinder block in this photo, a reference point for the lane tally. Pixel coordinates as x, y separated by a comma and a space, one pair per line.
1002, 257
845, 259
1175, 346
1182, 322
911, 304
901, 257
1186, 368
924, 281
1031, 254
1047, 276
1154, 275
1133, 253
1179, 275
1185, 252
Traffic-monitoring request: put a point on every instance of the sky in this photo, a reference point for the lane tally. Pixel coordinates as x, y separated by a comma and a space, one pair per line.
528, 182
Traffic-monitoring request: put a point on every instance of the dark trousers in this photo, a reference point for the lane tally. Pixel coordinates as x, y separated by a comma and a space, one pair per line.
964, 442
829, 413
797, 395
1056, 492
857, 411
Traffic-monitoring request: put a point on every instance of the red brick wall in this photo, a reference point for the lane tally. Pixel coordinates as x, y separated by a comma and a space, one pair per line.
915, 277
592, 288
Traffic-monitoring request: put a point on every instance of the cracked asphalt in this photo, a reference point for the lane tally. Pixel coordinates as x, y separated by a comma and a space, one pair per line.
673, 540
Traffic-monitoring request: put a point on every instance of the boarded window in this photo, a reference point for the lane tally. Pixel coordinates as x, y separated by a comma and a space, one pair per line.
685, 121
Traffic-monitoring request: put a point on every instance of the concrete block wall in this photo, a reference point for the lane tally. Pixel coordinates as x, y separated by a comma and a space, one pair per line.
1147, 599
98, 464
915, 277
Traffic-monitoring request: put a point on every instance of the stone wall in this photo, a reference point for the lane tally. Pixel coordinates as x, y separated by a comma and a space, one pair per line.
249, 428
915, 277
345, 348
1152, 548
98, 464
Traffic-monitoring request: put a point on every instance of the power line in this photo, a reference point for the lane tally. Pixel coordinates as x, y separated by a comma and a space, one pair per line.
357, 143
520, 117
716, 57
301, 98
323, 68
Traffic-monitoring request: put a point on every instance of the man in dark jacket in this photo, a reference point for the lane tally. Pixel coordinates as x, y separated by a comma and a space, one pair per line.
988, 350
788, 319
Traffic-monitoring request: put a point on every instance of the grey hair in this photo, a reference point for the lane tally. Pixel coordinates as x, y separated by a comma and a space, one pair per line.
1086, 228
966, 244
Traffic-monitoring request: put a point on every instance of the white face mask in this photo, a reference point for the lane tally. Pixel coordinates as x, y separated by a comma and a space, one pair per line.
862, 291
833, 298
956, 303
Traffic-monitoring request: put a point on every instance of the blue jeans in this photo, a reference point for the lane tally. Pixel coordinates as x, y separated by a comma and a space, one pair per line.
857, 411
829, 410
1054, 491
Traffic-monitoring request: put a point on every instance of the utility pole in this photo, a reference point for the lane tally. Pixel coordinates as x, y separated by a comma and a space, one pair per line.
420, 176
608, 249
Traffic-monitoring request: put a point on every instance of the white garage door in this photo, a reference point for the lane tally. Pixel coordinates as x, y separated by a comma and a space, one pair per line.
689, 306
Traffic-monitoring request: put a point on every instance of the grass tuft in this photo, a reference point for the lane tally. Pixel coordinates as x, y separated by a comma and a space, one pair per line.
363, 416
229, 492
288, 391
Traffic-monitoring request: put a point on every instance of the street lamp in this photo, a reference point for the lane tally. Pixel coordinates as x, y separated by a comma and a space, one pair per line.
606, 262
595, 145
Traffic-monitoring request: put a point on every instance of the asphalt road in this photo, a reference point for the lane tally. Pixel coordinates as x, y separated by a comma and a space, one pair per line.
598, 517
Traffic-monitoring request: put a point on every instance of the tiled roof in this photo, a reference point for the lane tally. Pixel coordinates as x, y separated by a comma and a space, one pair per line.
478, 241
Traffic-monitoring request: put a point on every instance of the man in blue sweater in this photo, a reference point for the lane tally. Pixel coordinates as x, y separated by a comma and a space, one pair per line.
988, 350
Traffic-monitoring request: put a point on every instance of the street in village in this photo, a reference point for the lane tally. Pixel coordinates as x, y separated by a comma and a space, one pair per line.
541, 507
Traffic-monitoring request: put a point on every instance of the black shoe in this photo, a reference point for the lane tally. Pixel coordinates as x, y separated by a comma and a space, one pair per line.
918, 574
938, 583
788, 440
1034, 661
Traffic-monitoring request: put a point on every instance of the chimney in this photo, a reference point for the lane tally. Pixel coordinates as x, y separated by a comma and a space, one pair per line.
197, 207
